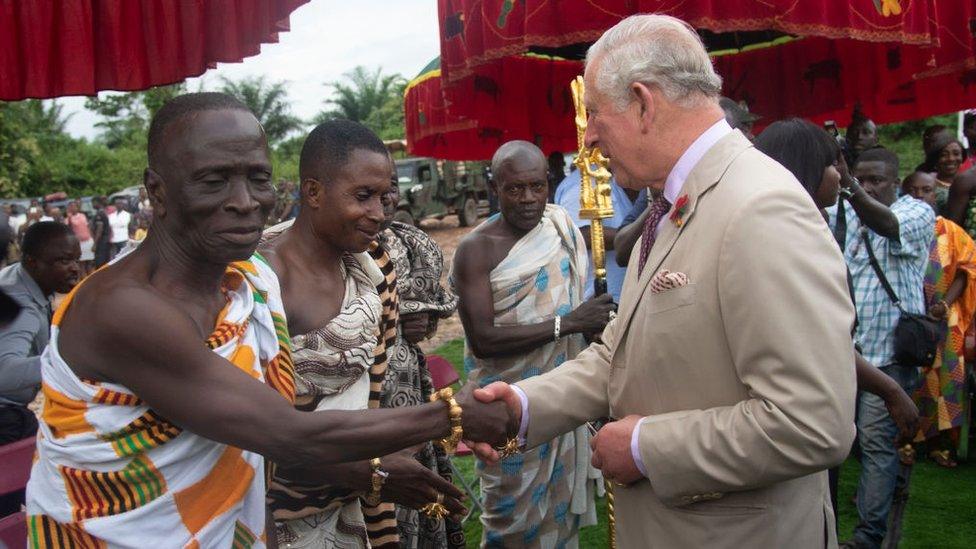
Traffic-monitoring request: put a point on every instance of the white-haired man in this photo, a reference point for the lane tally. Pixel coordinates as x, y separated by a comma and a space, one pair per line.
730, 366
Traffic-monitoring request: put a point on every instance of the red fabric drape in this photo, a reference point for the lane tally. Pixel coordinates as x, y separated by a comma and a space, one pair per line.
903, 66
474, 32
51, 48
518, 97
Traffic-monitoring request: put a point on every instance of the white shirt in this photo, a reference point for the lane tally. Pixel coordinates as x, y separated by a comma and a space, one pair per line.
119, 220
691, 157
16, 221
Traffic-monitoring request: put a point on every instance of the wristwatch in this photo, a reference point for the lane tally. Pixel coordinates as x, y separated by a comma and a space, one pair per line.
847, 192
377, 480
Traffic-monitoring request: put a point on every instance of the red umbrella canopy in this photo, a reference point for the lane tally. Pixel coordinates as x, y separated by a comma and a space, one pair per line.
51, 48
474, 32
517, 97
898, 59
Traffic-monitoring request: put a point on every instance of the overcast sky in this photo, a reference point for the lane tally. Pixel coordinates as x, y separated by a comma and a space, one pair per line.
327, 39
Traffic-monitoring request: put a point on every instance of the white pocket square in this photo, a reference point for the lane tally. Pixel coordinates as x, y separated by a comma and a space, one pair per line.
665, 280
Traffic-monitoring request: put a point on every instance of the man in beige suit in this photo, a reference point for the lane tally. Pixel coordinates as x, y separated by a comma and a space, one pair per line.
730, 367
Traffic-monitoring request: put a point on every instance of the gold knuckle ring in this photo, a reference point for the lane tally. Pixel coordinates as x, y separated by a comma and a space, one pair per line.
435, 510
510, 448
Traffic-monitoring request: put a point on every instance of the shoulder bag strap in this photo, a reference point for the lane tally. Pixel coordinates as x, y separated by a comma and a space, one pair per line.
877, 270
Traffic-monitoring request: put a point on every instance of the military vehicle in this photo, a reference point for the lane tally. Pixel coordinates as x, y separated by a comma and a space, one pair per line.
432, 188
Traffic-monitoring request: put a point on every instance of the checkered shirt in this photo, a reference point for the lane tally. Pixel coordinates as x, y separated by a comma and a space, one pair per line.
903, 262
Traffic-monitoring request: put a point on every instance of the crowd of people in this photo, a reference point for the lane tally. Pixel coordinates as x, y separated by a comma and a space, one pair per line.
309, 417
102, 231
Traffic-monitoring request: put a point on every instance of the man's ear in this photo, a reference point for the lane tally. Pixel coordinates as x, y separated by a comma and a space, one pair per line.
156, 191
312, 193
646, 104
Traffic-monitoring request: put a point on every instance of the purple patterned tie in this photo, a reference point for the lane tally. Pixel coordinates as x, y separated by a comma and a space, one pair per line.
658, 208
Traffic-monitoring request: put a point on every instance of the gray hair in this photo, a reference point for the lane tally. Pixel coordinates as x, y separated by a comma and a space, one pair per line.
656, 50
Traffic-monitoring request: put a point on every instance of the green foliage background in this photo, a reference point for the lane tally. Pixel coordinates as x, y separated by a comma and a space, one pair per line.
38, 157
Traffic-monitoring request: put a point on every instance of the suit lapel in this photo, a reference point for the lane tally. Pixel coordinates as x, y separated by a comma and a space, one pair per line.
705, 175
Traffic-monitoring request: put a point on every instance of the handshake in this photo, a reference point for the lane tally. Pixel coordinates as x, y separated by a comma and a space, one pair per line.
610, 445
491, 418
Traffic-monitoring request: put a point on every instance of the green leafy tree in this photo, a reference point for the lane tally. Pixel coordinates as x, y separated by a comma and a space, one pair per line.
285, 158
126, 116
28, 131
371, 98
268, 102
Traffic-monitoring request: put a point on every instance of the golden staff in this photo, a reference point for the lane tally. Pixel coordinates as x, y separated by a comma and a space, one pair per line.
595, 205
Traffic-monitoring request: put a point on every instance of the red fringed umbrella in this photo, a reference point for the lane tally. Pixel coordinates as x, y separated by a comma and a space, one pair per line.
496, 107
474, 32
899, 59
51, 48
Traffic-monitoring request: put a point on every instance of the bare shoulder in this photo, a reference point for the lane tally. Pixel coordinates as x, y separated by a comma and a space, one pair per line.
112, 315
476, 251
269, 251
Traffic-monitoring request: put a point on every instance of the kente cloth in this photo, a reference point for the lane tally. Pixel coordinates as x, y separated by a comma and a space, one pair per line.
381, 521
540, 497
418, 262
110, 471
332, 372
941, 395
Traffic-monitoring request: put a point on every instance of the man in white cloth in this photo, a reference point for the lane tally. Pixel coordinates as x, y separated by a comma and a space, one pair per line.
520, 277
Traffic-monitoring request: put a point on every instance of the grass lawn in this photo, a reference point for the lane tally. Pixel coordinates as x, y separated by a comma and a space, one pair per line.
941, 511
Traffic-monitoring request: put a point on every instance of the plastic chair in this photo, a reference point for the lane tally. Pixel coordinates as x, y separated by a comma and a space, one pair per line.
16, 458
13, 530
442, 374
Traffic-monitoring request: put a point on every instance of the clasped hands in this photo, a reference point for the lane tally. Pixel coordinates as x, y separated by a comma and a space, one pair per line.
610, 446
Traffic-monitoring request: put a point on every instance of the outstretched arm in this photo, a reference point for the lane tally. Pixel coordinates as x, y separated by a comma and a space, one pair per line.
198, 390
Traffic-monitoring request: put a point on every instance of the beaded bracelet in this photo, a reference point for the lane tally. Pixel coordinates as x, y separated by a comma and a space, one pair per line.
450, 443
377, 480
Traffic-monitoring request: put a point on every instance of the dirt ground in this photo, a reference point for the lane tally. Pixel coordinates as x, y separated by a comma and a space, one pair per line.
447, 234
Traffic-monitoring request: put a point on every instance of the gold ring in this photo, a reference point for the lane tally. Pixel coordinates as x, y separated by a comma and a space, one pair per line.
435, 510
510, 448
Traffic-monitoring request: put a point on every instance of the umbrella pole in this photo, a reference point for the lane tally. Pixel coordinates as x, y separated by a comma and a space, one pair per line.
595, 205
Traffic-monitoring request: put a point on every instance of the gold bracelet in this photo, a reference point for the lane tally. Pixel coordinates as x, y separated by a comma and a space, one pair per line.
377, 480
450, 443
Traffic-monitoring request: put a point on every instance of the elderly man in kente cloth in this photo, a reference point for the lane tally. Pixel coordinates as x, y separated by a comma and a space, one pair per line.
418, 263
520, 277
339, 305
168, 373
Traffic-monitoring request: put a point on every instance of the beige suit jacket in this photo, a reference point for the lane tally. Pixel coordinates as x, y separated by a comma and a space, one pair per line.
746, 374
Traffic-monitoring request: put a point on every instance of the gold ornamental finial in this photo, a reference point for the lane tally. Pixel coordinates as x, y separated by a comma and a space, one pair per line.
595, 200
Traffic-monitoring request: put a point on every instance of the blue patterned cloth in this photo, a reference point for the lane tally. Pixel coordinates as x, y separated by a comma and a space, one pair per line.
539, 498
903, 262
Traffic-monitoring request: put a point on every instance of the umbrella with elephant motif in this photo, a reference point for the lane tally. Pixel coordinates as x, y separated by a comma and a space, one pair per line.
898, 59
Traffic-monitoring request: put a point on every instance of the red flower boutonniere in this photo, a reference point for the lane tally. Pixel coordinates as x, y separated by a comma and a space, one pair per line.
678, 212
